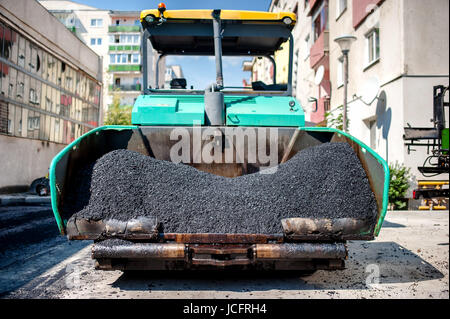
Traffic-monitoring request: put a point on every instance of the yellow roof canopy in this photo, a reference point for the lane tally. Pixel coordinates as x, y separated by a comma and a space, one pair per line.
243, 32
224, 15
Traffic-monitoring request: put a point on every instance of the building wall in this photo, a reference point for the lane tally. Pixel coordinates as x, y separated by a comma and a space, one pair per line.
50, 90
426, 39
304, 74
413, 56
35, 158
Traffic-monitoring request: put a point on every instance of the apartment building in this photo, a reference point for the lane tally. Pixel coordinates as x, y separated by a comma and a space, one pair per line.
50, 91
124, 70
401, 47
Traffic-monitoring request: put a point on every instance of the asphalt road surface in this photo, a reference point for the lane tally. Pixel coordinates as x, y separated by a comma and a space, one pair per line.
408, 260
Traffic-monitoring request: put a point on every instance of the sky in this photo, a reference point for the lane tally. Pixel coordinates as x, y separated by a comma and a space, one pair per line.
198, 71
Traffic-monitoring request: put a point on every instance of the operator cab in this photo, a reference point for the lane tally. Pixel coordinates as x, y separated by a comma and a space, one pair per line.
242, 34
217, 33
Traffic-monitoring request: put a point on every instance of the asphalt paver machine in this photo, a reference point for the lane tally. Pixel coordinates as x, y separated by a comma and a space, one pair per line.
305, 243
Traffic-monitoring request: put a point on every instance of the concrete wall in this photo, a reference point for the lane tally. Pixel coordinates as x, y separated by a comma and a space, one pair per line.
36, 21
24, 160
426, 37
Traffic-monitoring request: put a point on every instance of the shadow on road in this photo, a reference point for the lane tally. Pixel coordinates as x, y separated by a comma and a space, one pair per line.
387, 224
388, 262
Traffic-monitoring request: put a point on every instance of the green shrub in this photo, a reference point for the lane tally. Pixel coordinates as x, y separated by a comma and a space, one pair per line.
398, 185
338, 121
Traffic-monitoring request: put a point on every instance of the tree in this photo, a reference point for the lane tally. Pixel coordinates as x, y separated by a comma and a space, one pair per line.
118, 114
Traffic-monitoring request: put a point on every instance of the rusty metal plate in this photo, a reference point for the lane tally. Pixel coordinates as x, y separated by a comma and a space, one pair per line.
139, 228
220, 249
301, 251
324, 227
139, 250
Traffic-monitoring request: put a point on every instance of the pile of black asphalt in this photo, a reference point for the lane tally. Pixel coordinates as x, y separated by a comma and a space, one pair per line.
325, 181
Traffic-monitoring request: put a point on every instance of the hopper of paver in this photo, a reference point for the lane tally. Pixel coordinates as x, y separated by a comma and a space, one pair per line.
141, 242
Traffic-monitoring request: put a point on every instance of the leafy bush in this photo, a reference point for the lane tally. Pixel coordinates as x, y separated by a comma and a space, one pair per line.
338, 121
398, 185
118, 114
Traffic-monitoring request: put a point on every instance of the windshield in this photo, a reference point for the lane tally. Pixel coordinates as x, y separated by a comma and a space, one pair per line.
239, 73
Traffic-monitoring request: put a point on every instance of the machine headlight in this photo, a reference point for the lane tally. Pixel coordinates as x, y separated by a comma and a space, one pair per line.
150, 18
287, 20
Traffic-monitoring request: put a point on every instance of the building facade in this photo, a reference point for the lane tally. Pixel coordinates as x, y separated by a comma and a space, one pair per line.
401, 47
50, 91
124, 69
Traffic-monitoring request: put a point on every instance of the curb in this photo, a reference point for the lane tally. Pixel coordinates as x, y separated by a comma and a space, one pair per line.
7, 200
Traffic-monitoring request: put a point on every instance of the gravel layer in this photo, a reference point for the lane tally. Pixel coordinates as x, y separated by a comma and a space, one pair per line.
325, 181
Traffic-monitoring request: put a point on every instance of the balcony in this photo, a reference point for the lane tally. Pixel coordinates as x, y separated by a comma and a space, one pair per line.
360, 11
125, 87
124, 28
319, 115
319, 49
312, 6
124, 68
124, 48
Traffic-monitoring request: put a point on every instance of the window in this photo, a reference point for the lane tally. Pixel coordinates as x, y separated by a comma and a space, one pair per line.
33, 122
124, 58
341, 5
33, 97
20, 89
96, 22
308, 46
320, 21
340, 72
372, 46
135, 39
96, 41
